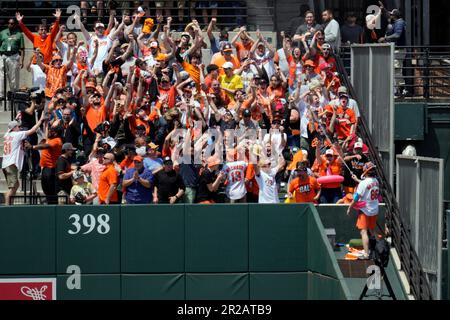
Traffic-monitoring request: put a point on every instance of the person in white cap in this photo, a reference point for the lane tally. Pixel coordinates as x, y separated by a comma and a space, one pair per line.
101, 41
230, 82
13, 155
82, 191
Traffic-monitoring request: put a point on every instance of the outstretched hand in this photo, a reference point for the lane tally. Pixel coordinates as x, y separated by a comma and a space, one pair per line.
19, 17
57, 13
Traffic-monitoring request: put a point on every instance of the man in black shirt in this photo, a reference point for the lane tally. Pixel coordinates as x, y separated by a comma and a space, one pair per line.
210, 182
64, 172
355, 161
169, 186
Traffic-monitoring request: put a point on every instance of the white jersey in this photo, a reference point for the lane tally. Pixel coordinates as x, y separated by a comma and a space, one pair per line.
235, 172
104, 44
277, 144
368, 191
39, 78
12, 149
268, 189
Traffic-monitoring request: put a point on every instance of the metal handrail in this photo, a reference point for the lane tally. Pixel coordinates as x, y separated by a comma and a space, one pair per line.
226, 10
395, 226
425, 70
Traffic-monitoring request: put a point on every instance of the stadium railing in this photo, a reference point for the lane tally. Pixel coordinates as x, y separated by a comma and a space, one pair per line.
395, 227
425, 71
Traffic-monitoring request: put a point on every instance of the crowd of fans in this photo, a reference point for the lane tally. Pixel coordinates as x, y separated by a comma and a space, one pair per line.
134, 114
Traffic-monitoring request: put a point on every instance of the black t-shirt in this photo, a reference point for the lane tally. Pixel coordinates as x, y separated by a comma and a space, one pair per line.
63, 166
203, 193
189, 174
357, 168
168, 184
351, 34
72, 133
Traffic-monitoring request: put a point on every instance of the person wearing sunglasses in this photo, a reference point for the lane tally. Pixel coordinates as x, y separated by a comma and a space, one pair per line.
56, 72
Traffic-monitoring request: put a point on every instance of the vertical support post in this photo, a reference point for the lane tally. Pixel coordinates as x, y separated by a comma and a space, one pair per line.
4, 83
426, 73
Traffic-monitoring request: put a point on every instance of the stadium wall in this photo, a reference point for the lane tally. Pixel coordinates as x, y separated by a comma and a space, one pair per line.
173, 252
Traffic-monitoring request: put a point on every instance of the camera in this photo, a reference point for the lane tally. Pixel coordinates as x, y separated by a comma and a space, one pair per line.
102, 127
26, 95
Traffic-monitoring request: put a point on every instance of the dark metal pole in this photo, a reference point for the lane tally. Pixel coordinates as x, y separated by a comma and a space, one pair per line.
426, 87
4, 83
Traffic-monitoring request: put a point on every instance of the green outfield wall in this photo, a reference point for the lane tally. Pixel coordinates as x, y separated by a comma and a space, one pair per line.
173, 252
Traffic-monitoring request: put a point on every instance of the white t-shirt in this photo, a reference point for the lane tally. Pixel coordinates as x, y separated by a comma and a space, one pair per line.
268, 189
235, 172
39, 79
104, 44
12, 149
276, 142
266, 62
368, 191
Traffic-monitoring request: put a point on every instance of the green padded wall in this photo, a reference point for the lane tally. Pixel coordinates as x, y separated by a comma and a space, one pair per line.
93, 252
152, 241
216, 240
153, 287
93, 287
324, 288
27, 240
335, 216
279, 286
216, 286
277, 238
318, 245
236, 252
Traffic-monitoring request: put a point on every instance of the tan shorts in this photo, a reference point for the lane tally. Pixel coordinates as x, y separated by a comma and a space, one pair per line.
12, 176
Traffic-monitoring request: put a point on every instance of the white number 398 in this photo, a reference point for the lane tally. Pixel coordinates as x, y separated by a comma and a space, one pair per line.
89, 223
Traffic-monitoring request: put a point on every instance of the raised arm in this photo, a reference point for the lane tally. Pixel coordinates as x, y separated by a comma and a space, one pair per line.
55, 28
86, 34
24, 28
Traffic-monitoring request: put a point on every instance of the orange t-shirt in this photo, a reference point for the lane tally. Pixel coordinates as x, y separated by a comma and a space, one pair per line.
242, 50
193, 71
127, 163
219, 60
50, 155
296, 159
108, 177
346, 119
305, 190
335, 169
44, 45
278, 92
252, 185
95, 116
56, 79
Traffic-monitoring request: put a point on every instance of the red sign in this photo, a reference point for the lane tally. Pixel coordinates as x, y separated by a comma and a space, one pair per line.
28, 289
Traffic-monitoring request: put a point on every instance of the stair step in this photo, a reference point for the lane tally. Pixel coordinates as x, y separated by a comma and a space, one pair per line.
4, 186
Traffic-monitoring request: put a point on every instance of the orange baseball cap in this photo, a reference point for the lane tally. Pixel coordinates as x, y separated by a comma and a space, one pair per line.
138, 158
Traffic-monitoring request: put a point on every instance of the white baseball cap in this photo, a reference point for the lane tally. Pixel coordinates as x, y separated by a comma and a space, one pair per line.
228, 65
329, 151
99, 25
358, 145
